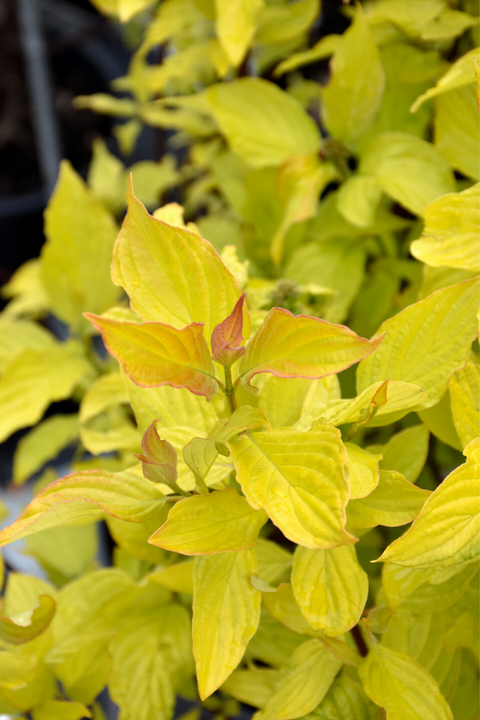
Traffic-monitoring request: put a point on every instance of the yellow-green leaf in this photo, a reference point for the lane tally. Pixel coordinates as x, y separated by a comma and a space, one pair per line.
76, 257
358, 198
322, 49
235, 26
172, 275
201, 453
352, 98
345, 700
177, 578
298, 478
330, 588
274, 562
446, 531
450, 234
253, 686
456, 130
282, 606
302, 683
107, 391
459, 74
127, 9
464, 390
16, 670
262, 123
302, 346
209, 524
439, 420
399, 684
16, 336
407, 168
380, 404
394, 502
86, 496
34, 380
60, 710
427, 342
43, 443
154, 354
23, 627
364, 472
280, 23
170, 407
226, 613
405, 452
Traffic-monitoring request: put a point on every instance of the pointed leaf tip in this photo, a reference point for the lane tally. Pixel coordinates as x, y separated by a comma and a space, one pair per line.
159, 462
227, 337
154, 354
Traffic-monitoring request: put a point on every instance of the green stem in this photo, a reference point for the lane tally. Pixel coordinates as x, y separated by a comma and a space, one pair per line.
230, 390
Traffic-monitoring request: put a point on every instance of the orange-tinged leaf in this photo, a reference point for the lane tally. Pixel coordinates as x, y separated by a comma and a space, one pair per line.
159, 462
28, 625
86, 496
171, 275
227, 337
154, 354
302, 346
208, 524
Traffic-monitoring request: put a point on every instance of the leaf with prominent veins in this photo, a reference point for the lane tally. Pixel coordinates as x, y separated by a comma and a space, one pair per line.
209, 524
170, 274
298, 478
301, 346
154, 354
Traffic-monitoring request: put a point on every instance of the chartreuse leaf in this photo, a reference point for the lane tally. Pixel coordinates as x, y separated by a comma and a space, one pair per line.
274, 562
427, 342
34, 380
235, 26
439, 420
352, 99
177, 578
27, 293
446, 531
281, 23
459, 74
170, 407
133, 537
262, 123
64, 552
394, 502
358, 198
43, 443
302, 683
16, 670
298, 478
330, 588
302, 346
76, 257
282, 606
380, 404
154, 354
456, 130
23, 627
226, 613
60, 710
450, 234
407, 168
253, 686
364, 472
209, 524
16, 336
322, 49
273, 643
106, 392
464, 390
286, 401
155, 263
399, 684
86, 496
345, 700
201, 453
405, 452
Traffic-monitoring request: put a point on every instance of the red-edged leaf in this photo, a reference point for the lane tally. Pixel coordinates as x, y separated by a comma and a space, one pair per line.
154, 354
302, 346
227, 337
159, 462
